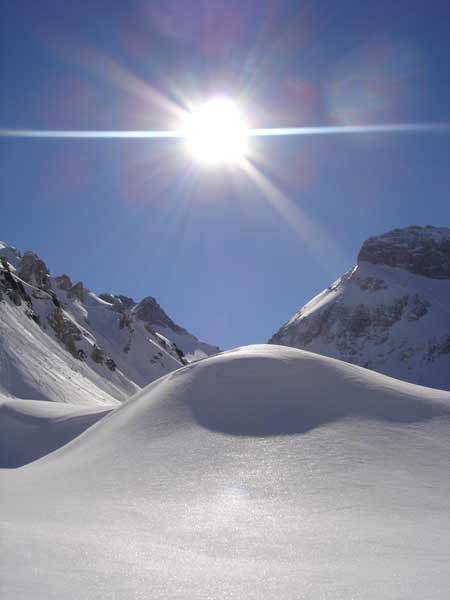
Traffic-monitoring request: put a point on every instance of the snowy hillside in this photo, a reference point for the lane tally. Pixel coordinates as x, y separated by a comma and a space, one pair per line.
391, 313
61, 342
30, 429
261, 473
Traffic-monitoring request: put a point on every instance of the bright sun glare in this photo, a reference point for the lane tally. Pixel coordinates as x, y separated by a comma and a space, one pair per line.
216, 133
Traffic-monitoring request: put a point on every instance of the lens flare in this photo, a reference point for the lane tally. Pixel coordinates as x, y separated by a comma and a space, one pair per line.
216, 133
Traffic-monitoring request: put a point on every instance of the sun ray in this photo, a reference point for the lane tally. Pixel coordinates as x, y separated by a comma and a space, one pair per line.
90, 134
264, 132
296, 218
346, 129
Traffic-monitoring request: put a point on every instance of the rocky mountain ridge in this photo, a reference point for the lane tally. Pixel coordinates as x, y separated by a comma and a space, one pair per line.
107, 346
390, 313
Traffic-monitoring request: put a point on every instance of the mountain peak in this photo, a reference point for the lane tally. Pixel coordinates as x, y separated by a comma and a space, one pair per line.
150, 311
390, 313
60, 341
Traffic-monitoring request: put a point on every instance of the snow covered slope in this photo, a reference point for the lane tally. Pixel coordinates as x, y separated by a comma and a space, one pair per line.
391, 313
30, 429
262, 473
62, 342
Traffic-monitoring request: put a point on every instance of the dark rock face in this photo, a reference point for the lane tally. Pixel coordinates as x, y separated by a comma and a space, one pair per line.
120, 303
149, 310
421, 250
65, 330
77, 291
125, 301
63, 282
34, 271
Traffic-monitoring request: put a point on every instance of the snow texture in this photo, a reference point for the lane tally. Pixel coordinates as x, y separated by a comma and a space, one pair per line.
265, 472
30, 429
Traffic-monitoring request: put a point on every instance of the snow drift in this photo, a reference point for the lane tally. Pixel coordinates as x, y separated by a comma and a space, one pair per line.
264, 472
30, 429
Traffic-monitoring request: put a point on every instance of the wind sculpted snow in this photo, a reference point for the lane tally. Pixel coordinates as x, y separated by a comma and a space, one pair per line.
261, 473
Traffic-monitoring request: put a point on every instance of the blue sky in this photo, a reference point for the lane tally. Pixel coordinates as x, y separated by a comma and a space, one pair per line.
137, 217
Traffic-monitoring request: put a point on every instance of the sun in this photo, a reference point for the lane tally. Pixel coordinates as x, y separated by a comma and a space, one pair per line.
216, 133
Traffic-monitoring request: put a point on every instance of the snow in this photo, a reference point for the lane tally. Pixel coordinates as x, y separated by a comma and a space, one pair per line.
192, 348
30, 429
261, 473
11, 254
33, 365
64, 343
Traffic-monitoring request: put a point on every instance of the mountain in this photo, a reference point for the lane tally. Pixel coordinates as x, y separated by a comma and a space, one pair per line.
59, 341
264, 472
390, 313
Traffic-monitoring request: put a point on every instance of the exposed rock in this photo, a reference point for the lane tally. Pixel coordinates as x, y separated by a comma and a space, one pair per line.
9, 255
65, 330
34, 271
418, 308
421, 250
107, 298
150, 311
13, 287
110, 364
125, 301
119, 303
125, 321
63, 282
77, 291
97, 355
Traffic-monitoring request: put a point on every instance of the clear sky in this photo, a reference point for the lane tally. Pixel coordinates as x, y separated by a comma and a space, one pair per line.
221, 252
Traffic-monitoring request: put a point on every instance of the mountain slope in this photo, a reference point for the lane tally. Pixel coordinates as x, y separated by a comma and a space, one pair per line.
62, 342
391, 313
261, 473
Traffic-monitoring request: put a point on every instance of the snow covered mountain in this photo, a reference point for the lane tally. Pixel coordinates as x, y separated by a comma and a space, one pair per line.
390, 313
262, 473
59, 341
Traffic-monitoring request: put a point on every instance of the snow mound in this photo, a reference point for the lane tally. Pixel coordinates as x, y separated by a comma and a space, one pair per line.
192, 490
260, 390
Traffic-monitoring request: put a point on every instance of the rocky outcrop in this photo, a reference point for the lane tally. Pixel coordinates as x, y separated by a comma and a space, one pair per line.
421, 250
120, 303
77, 291
34, 271
149, 310
66, 331
63, 282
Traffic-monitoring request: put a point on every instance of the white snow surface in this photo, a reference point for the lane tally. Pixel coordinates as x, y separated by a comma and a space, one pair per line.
265, 472
34, 365
30, 429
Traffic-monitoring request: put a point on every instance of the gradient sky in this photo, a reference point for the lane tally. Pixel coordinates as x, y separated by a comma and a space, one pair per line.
138, 217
